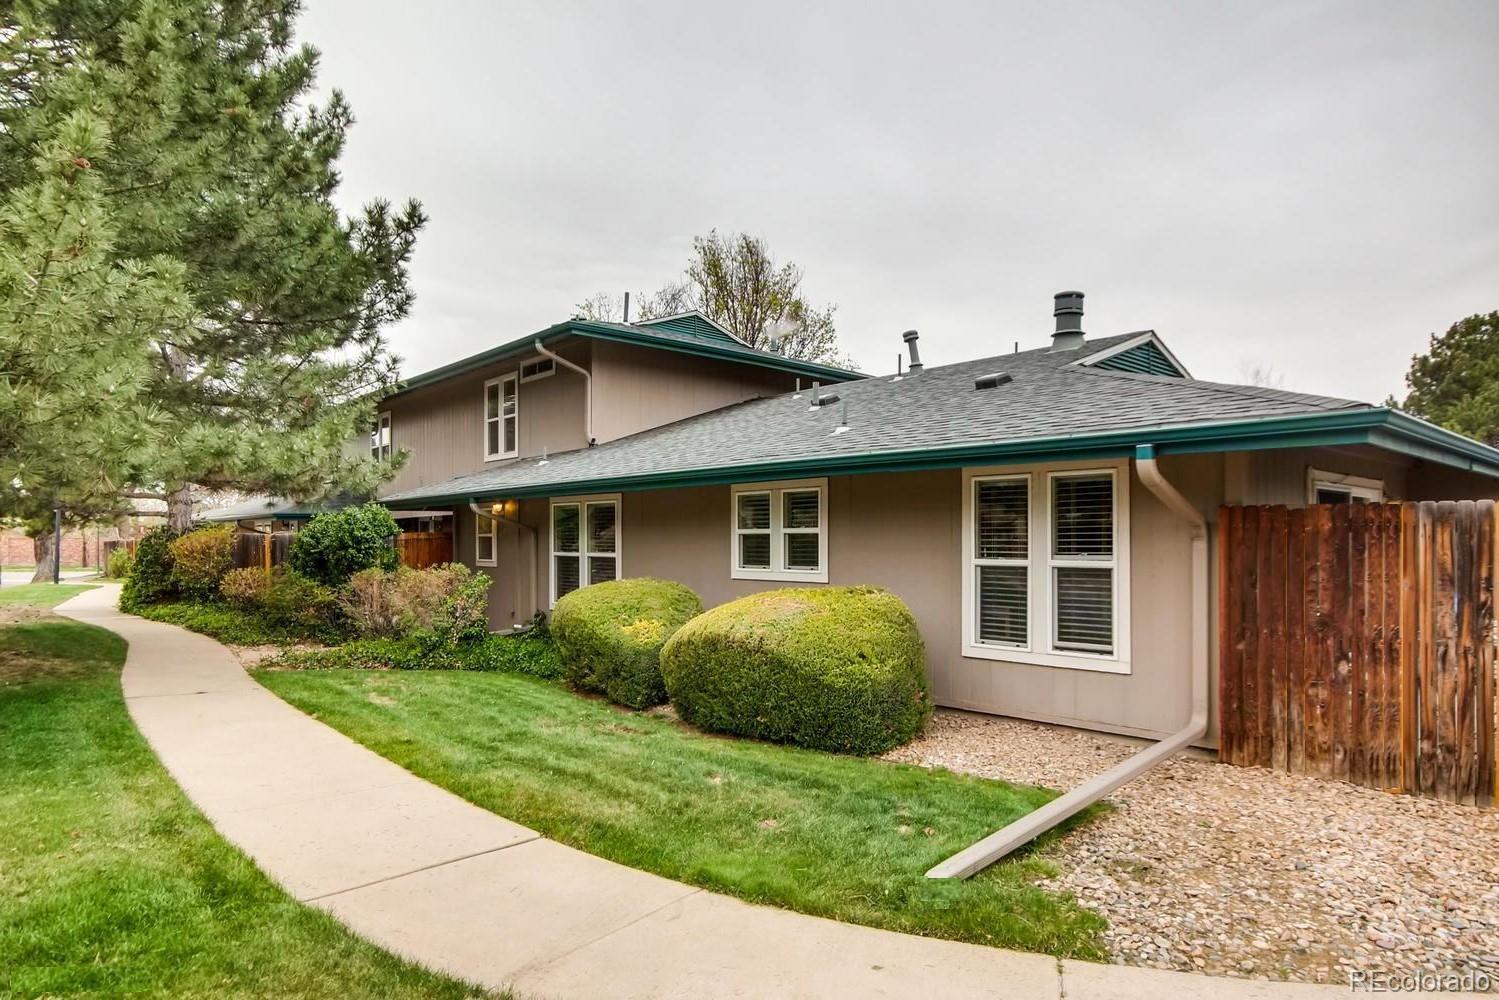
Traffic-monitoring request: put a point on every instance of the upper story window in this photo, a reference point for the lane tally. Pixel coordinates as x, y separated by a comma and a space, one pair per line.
1336, 487
585, 542
779, 531
380, 438
1046, 566
501, 417
533, 370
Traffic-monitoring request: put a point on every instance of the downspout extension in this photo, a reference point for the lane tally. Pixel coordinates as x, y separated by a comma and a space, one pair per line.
587, 386
975, 858
530, 563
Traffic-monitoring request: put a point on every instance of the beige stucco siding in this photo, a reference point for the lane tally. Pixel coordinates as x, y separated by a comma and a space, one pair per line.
903, 531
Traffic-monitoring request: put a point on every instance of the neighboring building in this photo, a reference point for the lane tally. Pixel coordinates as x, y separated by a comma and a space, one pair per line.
1000, 498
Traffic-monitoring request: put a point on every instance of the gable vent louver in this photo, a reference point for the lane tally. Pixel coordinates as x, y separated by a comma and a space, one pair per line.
1142, 359
993, 381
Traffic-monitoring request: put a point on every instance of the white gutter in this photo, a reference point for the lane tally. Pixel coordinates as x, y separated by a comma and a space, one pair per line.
531, 563
975, 858
587, 386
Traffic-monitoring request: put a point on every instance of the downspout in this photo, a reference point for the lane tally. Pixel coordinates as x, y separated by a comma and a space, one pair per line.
975, 858
530, 563
587, 386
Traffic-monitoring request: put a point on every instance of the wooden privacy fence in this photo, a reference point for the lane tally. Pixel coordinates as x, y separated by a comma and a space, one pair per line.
420, 549
1357, 642
266, 549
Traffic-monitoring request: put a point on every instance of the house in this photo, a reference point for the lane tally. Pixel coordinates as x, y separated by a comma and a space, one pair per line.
1002, 498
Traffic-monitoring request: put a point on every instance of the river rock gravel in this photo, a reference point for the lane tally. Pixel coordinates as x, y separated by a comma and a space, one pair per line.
1202, 866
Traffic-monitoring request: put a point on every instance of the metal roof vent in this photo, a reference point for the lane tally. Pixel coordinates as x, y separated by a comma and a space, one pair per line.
822, 401
1069, 334
993, 381
910, 338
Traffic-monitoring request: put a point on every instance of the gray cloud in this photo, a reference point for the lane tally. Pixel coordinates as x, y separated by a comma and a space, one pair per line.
1305, 186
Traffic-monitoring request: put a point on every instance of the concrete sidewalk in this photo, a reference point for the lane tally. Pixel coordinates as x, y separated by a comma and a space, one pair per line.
429, 876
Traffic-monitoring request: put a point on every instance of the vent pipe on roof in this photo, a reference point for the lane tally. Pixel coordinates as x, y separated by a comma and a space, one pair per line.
1069, 313
627, 307
910, 338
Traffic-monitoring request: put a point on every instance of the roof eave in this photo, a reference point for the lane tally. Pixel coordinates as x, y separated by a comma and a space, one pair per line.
585, 328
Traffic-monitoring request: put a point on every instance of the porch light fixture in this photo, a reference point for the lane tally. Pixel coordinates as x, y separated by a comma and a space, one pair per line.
505, 508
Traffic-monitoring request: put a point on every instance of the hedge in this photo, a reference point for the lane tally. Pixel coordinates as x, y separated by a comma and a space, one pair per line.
335, 545
200, 559
150, 577
832, 668
610, 636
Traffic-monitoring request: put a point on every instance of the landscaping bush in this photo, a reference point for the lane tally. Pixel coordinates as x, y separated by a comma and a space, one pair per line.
150, 578
120, 561
832, 668
334, 546
240, 626
200, 559
245, 588
610, 636
440, 605
499, 653
294, 601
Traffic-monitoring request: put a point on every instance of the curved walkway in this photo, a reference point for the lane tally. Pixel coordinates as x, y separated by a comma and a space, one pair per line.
429, 876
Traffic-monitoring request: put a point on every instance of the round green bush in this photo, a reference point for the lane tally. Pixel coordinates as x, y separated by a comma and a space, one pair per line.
832, 668
334, 546
610, 636
200, 559
150, 577
121, 560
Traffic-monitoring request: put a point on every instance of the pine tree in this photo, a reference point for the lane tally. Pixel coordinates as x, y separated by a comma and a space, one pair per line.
220, 162
75, 323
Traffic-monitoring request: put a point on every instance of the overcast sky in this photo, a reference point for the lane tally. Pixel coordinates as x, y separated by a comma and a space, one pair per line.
1308, 187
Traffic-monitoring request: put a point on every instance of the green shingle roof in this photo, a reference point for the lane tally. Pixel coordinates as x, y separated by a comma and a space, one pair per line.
1145, 358
1052, 407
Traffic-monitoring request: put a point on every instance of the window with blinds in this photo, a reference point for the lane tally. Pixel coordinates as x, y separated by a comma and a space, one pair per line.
1001, 560
585, 543
779, 532
1082, 562
1046, 554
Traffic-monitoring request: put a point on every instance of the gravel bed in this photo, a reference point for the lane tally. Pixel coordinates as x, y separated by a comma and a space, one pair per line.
1250, 872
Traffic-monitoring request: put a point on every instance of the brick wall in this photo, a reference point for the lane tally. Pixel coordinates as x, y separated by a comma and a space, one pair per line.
78, 549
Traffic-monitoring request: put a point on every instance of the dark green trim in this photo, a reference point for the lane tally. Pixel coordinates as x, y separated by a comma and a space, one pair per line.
1377, 426
641, 338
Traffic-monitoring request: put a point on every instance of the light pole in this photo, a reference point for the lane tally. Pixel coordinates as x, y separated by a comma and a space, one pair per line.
57, 545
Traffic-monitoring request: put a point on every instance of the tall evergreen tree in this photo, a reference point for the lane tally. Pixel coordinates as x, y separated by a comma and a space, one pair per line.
75, 324
220, 162
1456, 382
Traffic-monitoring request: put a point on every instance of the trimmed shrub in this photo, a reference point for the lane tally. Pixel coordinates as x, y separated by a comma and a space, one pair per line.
120, 562
832, 668
610, 636
334, 546
245, 588
200, 559
150, 578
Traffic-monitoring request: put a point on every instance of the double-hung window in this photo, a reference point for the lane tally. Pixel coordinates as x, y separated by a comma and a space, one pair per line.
486, 552
501, 417
585, 542
380, 439
779, 531
1046, 566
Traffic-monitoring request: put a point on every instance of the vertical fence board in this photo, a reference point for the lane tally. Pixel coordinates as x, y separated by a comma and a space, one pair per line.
1275, 608
1389, 719
1296, 583
1355, 646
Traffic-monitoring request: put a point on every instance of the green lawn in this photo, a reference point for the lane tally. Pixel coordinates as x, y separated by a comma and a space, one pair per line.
40, 595
111, 883
839, 837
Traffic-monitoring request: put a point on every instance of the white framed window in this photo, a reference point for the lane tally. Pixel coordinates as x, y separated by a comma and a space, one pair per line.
533, 370
486, 549
585, 546
1046, 565
1337, 487
779, 531
380, 438
501, 417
